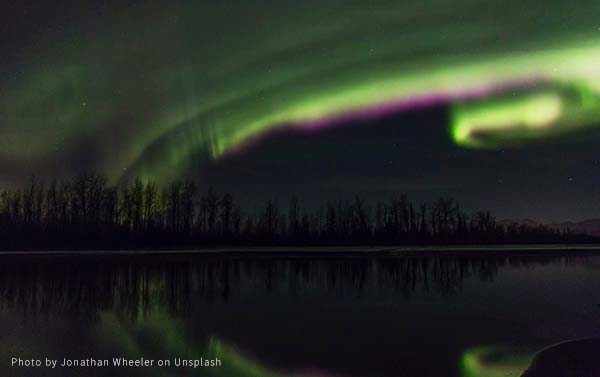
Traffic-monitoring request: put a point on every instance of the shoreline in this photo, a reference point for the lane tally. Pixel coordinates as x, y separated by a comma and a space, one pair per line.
540, 249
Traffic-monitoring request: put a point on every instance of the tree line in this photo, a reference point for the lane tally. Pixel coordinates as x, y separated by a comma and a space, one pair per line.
86, 213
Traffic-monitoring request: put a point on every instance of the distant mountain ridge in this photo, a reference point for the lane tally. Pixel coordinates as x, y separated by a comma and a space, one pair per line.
590, 227
518, 222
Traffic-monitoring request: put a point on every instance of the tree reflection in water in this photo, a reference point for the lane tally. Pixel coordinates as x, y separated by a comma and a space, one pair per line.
81, 287
151, 306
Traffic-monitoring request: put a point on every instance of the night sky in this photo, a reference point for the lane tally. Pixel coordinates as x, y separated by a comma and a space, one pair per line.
492, 102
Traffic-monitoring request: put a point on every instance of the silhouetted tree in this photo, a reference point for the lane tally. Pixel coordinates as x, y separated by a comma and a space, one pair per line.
85, 213
226, 214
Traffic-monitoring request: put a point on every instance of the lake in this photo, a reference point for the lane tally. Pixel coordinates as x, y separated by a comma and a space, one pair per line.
315, 314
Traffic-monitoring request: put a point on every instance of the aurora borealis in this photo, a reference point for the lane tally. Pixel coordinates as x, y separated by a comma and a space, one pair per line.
494, 361
139, 89
492, 103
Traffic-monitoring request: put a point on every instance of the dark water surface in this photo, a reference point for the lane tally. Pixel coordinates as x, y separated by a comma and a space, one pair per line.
417, 314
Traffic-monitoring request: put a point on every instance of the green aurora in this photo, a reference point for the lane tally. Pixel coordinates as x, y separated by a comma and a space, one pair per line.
154, 90
493, 361
169, 342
